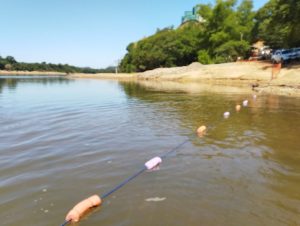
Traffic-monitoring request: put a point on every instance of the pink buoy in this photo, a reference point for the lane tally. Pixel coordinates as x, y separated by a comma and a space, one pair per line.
245, 103
153, 163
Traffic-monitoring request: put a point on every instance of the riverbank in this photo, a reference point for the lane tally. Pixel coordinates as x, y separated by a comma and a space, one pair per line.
119, 76
254, 75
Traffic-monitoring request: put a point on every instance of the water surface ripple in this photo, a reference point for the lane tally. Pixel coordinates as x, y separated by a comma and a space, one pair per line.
62, 140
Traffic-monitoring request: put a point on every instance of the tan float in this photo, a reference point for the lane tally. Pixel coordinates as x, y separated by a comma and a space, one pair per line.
201, 130
81, 208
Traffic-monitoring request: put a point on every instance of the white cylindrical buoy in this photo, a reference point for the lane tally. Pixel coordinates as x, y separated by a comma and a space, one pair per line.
238, 108
226, 114
245, 103
152, 163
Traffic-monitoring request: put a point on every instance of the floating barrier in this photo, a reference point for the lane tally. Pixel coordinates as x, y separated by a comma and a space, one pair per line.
84, 206
226, 114
201, 131
153, 163
245, 103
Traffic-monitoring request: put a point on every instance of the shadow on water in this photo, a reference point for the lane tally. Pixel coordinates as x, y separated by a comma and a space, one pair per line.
11, 82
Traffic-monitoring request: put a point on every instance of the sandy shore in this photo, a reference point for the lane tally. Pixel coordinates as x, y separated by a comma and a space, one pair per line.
252, 75
120, 76
193, 87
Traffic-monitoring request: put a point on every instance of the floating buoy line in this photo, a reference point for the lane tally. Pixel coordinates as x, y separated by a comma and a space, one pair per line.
81, 208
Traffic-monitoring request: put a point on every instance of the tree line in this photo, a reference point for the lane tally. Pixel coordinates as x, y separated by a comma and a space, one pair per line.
9, 63
225, 33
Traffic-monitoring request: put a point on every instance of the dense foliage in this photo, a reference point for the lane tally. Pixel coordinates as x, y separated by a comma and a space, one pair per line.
226, 33
167, 48
10, 64
278, 23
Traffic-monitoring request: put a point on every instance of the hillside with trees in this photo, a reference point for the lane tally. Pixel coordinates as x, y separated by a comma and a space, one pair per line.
167, 48
226, 32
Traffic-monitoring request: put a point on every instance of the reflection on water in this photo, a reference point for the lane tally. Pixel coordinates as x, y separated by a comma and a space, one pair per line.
85, 136
11, 82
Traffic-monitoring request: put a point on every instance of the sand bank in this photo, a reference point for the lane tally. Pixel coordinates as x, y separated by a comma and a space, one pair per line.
253, 75
194, 87
119, 76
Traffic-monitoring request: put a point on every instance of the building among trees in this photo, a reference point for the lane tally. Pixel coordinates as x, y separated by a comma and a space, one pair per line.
192, 16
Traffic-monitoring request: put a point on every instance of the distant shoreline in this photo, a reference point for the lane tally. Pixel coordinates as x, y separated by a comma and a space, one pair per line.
49, 73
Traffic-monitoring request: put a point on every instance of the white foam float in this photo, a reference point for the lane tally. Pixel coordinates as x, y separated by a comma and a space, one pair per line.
226, 114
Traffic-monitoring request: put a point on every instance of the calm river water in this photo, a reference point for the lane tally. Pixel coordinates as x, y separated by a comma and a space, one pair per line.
64, 140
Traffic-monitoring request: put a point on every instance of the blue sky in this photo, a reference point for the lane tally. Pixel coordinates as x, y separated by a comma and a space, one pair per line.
91, 33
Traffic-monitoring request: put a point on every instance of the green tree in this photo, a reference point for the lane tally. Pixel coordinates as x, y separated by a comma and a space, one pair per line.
231, 50
2, 63
277, 23
245, 16
228, 29
11, 60
203, 57
224, 34
166, 48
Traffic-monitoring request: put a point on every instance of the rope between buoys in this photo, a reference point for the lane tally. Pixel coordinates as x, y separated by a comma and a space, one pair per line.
126, 181
65, 223
123, 183
157, 161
